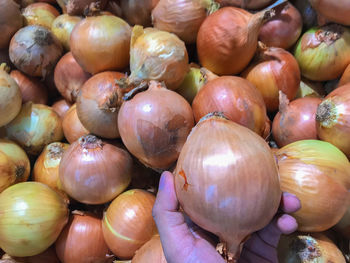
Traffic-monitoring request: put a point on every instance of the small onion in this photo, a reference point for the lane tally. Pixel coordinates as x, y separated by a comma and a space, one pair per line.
335, 11
84, 7
49, 255
81, 240
214, 179
72, 127
323, 53
34, 127
31, 88
161, 121
318, 173
41, 14
248, 4
32, 217
308, 14
69, 77
104, 170
14, 164
106, 43
11, 20
152, 251
61, 107
128, 223
345, 78
35, 50
308, 88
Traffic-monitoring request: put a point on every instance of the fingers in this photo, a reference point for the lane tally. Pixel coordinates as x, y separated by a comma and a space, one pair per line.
290, 203
287, 224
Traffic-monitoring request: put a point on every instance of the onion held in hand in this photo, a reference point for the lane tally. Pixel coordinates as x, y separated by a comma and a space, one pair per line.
11, 20
226, 180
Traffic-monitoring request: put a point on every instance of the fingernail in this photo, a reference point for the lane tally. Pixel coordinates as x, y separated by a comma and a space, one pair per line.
162, 182
286, 194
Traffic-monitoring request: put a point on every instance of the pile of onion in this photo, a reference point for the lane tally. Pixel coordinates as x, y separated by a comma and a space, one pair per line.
335, 11
138, 12
72, 127
11, 20
41, 14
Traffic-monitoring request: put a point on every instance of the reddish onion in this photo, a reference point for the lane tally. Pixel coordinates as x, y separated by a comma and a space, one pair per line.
49, 255
69, 77
152, 251
81, 240
335, 11
11, 20
41, 14
237, 98
104, 170
295, 121
138, 12
128, 223
161, 122
72, 127
31, 88
248, 4
61, 107
345, 78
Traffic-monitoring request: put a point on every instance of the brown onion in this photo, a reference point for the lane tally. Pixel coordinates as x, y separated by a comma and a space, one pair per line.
128, 223
48, 256
69, 77
41, 14
318, 173
138, 12
248, 4
35, 50
215, 169
106, 43
81, 240
98, 104
284, 29
94, 172
345, 78
84, 7
335, 11
61, 107
274, 70
152, 251
161, 121
72, 127
31, 88
11, 20
295, 121
308, 88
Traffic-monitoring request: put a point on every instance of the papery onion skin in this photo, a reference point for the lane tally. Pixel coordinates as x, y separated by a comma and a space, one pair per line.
69, 77
216, 166
162, 120
34, 127
128, 223
106, 43
31, 88
33, 216
72, 127
41, 14
105, 170
323, 53
318, 173
81, 241
236, 97
11, 20
152, 251
35, 50
138, 12
310, 88
345, 78
335, 11
14, 164
250, 4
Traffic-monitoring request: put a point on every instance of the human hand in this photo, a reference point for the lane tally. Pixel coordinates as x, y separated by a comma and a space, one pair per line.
181, 245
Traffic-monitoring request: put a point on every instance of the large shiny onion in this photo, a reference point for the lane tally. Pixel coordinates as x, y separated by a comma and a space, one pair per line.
335, 11
152, 251
72, 127
248, 4
35, 50
11, 20
41, 14
32, 216
226, 180
318, 173
138, 12
128, 223
106, 43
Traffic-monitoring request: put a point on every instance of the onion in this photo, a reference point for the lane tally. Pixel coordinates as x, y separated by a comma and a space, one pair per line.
274, 70
306, 248
249, 4
152, 251
332, 118
14, 164
69, 77
284, 29
62, 28
98, 104
138, 12
104, 170
318, 173
34, 127
84, 7
10, 99
41, 14
343, 226
237, 98
106, 43
308, 88
345, 78
32, 217
81, 241
128, 223
335, 11
35, 50
49, 255
161, 121
72, 127
61, 107
308, 14
11, 20
323, 53
214, 175
31, 88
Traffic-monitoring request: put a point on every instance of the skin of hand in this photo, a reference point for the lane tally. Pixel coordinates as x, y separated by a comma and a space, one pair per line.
181, 245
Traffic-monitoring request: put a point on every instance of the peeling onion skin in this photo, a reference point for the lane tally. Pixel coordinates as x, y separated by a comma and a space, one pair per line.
72, 127
138, 12
41, 14
335, 11
215, 168
318, 173
11, 21
152, 251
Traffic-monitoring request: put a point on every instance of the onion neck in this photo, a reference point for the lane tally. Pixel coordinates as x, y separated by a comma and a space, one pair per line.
210, 5
90, 142
55, 151
330, 33
306, 248
327, 114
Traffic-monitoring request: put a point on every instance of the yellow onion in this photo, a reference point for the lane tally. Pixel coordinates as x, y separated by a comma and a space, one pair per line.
128, 223
157, 55
34, 127
226, 180
152, 251
138, 12
247, 4
72, 127
10, 99
31, 218
318, 173
323, 53
307, 248
308, 88
41, 14
62, 28
335, 11
14, 164
11, 20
